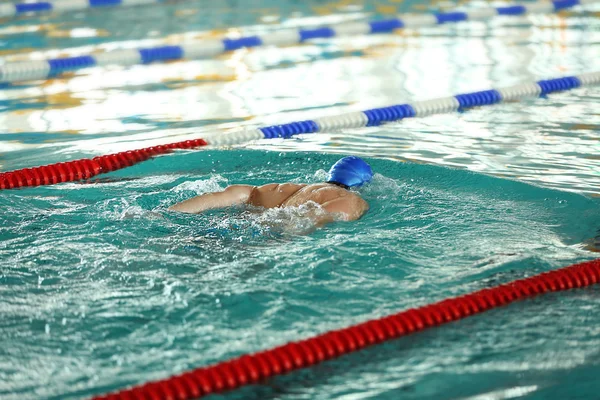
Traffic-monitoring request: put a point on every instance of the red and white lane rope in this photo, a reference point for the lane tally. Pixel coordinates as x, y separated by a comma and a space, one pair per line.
255, 368
88, 167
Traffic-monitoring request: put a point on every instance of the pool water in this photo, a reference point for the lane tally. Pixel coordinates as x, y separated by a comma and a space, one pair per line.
102, 287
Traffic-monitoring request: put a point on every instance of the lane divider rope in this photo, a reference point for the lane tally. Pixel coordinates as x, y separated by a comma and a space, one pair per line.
198, 49
8, 10
255, 368
86, 168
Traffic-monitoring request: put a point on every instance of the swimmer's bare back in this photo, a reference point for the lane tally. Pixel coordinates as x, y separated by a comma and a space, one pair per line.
332, 199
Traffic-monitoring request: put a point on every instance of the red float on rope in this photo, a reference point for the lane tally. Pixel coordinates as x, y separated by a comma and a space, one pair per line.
87, 168
251, 369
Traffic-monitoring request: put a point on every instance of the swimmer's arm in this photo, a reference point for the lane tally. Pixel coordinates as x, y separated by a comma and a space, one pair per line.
233, 195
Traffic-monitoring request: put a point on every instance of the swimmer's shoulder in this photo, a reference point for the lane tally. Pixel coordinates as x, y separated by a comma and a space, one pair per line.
351, 205
273, 194
333, 199
272, 188
328, 190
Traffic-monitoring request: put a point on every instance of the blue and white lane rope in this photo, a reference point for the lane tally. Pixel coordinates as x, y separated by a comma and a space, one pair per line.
8, 10
378, 116
31, 70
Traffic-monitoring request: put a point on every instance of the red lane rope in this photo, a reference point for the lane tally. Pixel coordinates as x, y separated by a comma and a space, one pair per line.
251, 369
88, 167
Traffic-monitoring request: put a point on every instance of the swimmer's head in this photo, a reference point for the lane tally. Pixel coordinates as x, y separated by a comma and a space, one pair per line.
350, 171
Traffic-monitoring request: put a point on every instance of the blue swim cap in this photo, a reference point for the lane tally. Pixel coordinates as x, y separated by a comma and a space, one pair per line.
350, 171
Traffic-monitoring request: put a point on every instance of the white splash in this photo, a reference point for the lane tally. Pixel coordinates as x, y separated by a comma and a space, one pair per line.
215, 183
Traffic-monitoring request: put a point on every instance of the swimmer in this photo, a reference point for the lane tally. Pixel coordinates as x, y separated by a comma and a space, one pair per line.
333, 196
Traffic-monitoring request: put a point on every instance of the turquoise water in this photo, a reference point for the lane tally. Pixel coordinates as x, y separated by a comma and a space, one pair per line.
102, 288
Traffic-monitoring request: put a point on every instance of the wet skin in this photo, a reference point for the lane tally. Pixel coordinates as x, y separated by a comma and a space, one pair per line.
335, 200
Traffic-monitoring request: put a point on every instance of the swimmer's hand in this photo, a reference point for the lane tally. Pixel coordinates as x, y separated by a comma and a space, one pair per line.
233, 195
